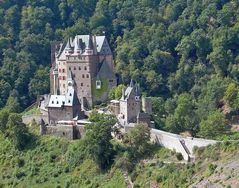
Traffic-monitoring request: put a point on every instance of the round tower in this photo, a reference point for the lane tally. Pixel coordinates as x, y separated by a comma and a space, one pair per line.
55, 77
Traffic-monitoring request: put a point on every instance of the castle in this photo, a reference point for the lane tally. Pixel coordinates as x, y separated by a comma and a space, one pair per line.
81, 76
86, 64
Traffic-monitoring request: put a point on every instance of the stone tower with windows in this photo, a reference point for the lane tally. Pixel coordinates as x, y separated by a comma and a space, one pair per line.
89, 61
130, 103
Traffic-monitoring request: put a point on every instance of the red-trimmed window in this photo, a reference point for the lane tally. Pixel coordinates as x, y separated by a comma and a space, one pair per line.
63, 77
63, 70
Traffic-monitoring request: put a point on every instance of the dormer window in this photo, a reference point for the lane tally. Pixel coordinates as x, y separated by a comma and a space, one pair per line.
98, 84
70, 94
57, 102
52, 102
69, 101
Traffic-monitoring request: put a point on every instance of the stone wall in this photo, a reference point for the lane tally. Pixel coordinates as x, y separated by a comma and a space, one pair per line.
176, 142
37, 117
68, 131
179, 143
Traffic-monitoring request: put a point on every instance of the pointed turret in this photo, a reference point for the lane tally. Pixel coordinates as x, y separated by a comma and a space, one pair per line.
55, 81
137, 89
68, 48
89, 46
131, 83
77, 48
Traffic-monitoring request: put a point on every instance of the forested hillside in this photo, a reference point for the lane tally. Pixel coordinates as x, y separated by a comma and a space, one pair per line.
185, 53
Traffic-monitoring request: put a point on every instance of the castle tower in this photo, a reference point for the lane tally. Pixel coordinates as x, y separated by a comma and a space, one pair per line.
85, 58
130, 103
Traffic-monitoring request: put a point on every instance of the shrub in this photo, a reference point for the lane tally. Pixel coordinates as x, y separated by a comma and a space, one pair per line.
179, 156
20, 163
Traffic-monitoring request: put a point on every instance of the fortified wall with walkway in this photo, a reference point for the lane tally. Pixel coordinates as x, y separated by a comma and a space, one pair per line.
184, 145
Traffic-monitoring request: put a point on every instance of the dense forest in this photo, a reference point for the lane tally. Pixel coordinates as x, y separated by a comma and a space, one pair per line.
184, 53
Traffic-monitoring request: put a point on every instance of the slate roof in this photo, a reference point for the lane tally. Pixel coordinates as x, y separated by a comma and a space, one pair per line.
69, 99
82, 42
105, 71
131, 88
143, 115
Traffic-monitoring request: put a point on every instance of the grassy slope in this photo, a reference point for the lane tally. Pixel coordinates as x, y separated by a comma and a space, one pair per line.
216, 166
43, 164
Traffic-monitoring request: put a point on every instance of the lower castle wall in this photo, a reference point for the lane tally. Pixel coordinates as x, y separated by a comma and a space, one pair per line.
68, 131
29, 118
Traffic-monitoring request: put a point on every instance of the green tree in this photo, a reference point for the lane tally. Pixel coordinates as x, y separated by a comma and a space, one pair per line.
4, 93
213, 126
40, 83
97, 141
116, 92
138, 140
17, 131
4, 114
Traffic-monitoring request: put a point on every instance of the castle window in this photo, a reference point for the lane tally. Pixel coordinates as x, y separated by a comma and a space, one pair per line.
57, 102
59, 70
98, 84
85, 68
63, 77
81, 84
52, 102
69, 68
74, 68
63, 70
69, 101
83, 76
87, 76
79, 68
70, 94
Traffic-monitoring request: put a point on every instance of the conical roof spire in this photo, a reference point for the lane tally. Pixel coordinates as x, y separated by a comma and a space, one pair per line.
69, 76
131, 83
77, 47
137, 89
68, 45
